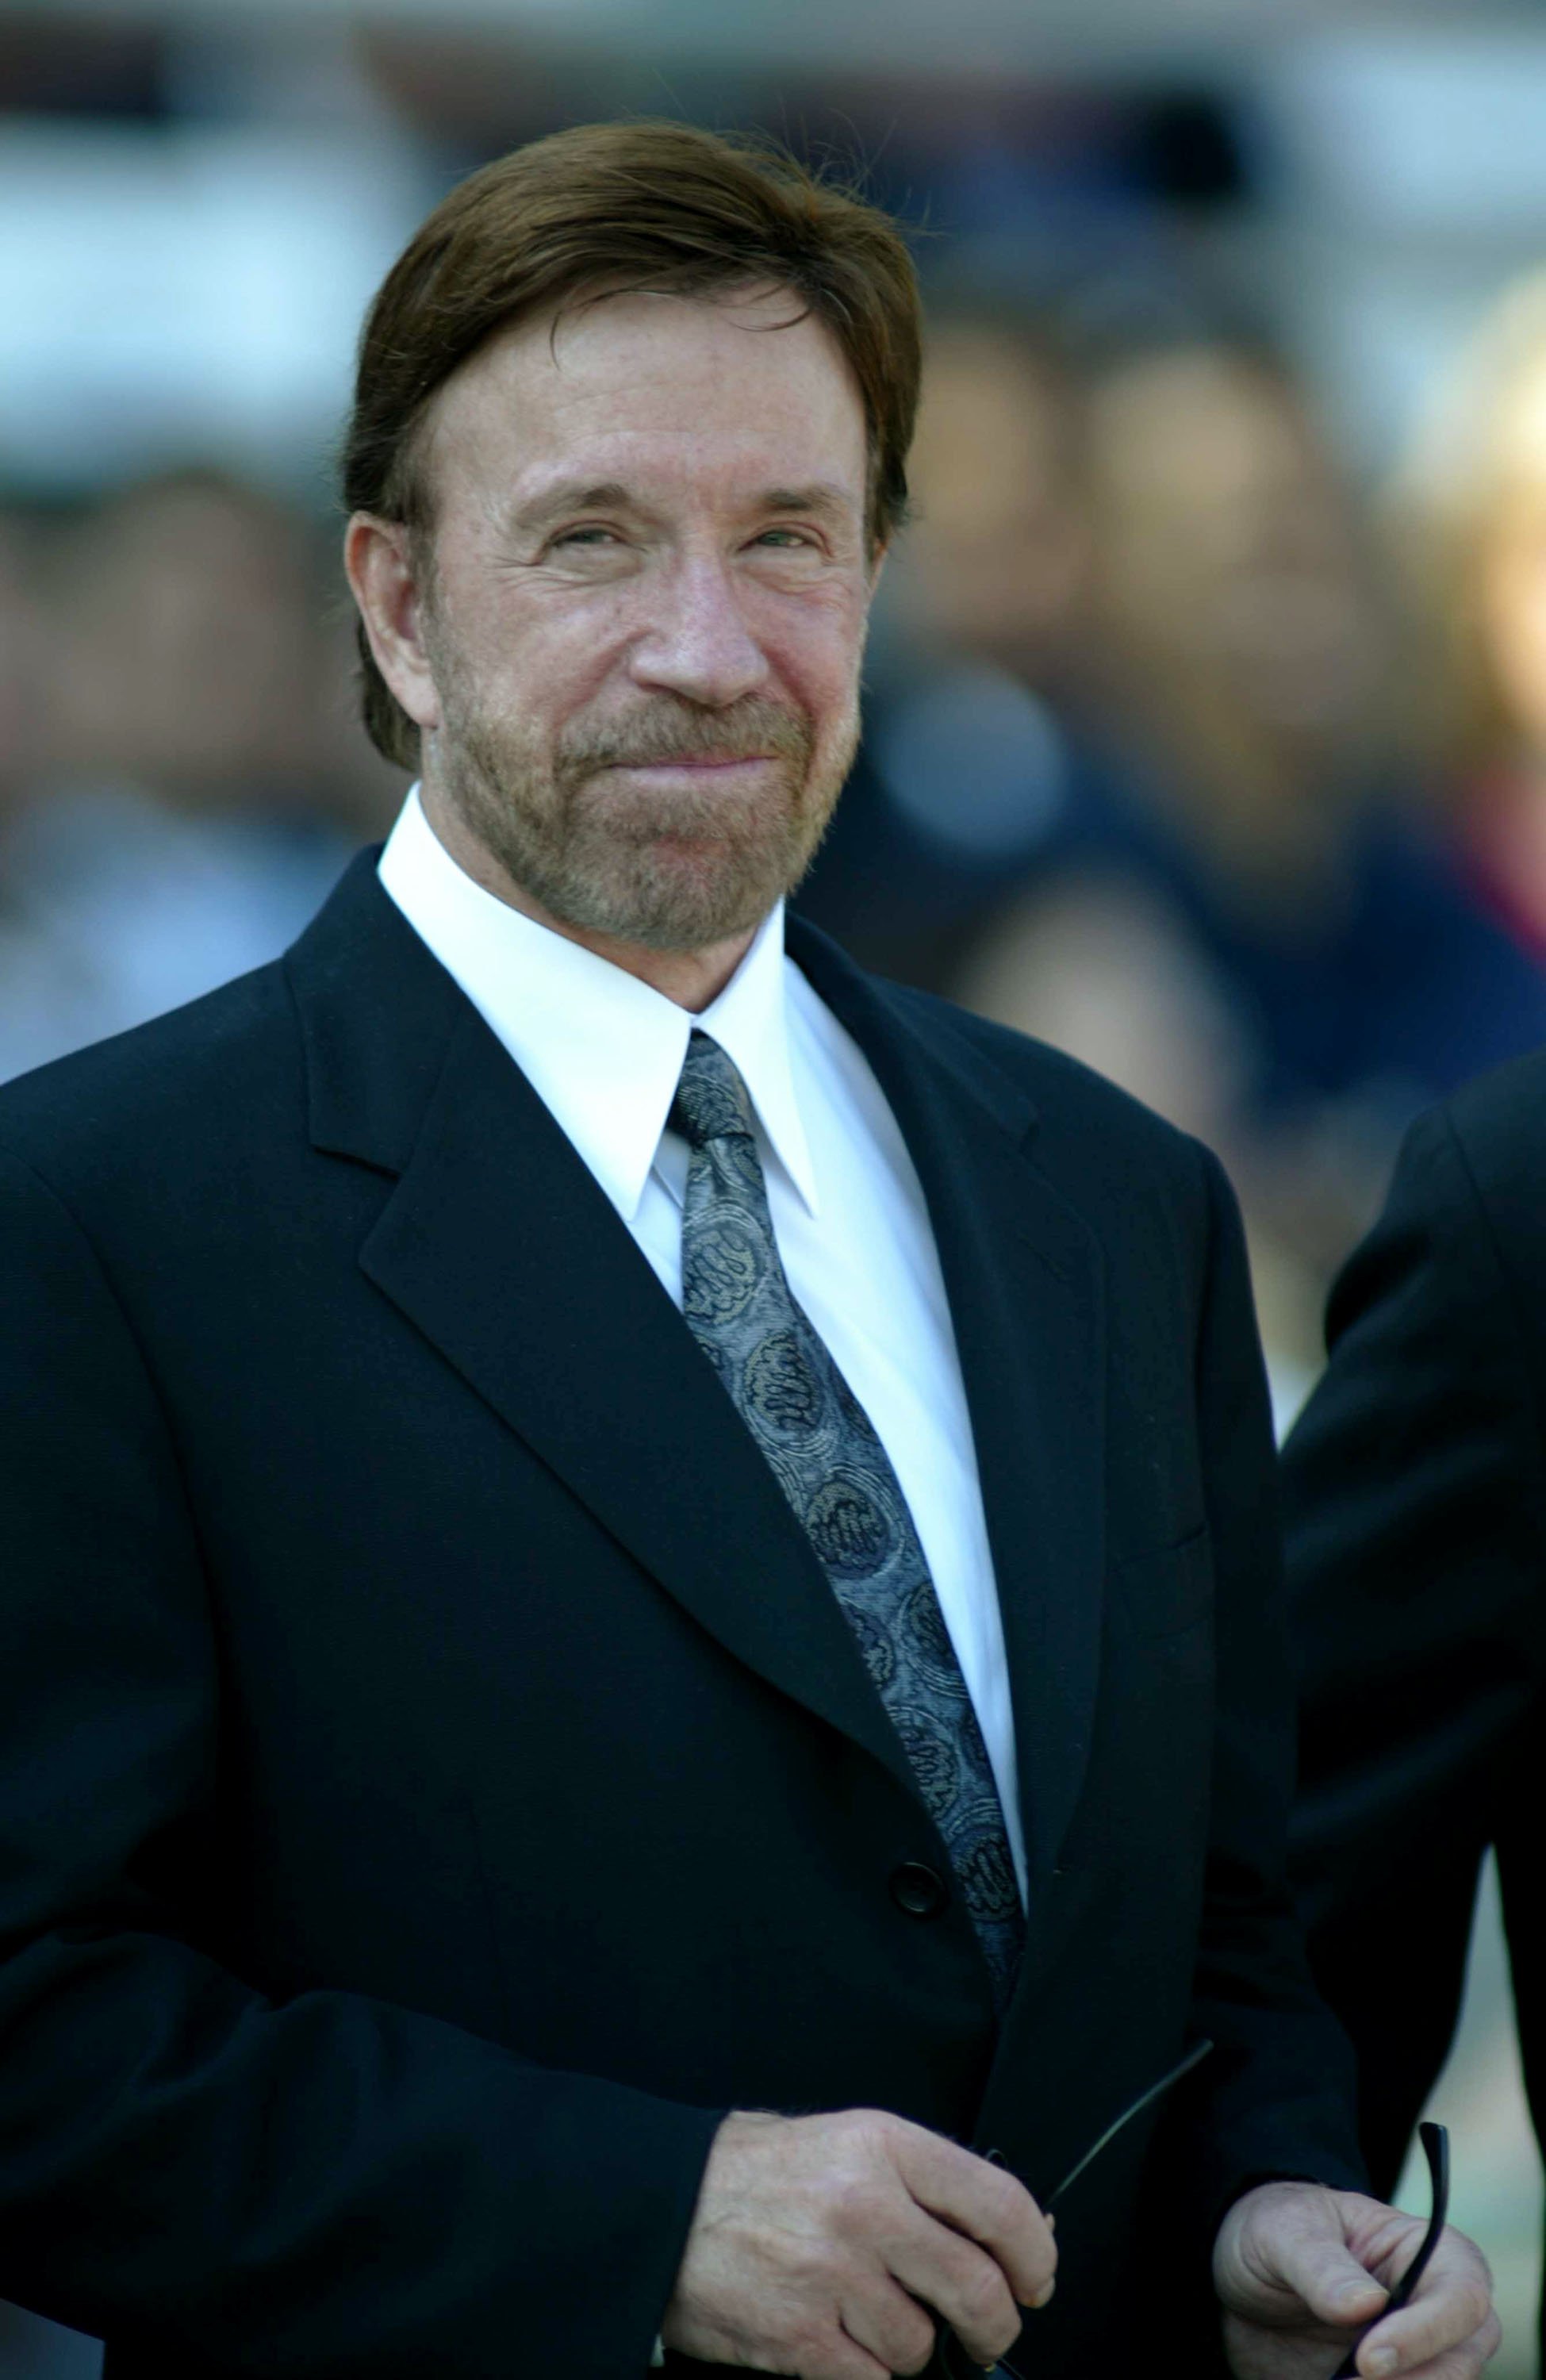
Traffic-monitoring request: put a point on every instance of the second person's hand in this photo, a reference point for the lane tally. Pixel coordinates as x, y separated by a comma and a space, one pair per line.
1300, 2271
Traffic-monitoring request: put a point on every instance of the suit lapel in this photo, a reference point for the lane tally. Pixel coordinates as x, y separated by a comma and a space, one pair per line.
498, 1245
1024, 1278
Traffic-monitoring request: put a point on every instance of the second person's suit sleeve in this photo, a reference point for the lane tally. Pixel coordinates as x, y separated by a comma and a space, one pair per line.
1413, 1503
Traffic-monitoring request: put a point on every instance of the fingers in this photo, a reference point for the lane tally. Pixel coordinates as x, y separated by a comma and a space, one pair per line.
963, 2283
889, 2326
824, 2245
985, 2202
828, 2351
1327, 2278
1462, 2362
1292, 2258
1450, 2313
844, 2358
1283, 2259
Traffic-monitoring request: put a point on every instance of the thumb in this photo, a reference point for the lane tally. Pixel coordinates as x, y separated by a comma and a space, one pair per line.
1326, 2277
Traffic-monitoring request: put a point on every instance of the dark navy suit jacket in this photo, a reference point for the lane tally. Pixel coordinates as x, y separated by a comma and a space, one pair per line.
437, 1780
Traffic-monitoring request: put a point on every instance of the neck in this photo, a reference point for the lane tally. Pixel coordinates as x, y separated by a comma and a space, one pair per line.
694, 979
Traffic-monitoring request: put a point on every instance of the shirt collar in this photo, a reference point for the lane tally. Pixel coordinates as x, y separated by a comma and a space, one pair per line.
750, 1022
602, 1050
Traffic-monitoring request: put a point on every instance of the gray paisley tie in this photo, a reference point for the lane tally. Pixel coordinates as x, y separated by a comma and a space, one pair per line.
838, 1480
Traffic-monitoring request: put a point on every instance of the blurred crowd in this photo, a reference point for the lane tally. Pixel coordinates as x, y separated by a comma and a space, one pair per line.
181, 773
1180, 751
1194, 759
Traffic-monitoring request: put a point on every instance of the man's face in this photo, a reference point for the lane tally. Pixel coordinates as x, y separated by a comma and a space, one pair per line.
644, 614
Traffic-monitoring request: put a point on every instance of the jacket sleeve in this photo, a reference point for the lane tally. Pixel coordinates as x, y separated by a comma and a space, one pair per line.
1276, 2097
1413, 1489
326, 2188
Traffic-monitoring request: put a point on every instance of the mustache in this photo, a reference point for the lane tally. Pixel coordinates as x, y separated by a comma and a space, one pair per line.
753, 729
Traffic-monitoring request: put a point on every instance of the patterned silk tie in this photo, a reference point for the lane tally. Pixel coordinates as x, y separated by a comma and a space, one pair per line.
838, 1480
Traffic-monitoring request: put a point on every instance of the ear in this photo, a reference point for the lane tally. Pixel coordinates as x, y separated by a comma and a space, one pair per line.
381, 573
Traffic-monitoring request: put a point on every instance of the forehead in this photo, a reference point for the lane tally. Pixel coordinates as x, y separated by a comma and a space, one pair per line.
692, 395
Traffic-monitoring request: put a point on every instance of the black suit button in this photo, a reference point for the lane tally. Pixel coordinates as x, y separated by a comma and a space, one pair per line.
917, 1889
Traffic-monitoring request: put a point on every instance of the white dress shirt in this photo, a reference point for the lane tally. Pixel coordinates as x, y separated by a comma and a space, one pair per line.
604, 1051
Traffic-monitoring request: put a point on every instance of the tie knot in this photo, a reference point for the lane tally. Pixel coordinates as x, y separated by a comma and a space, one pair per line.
711, 1101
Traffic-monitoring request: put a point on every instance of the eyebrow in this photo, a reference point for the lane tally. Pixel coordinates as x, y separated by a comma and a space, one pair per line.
820, 497
571, 496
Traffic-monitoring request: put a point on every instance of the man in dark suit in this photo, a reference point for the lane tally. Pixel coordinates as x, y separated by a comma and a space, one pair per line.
1416, 1486
641, 1599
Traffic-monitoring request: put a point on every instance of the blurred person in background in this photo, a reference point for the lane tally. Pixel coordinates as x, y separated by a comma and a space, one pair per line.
1257, 935
976, 768
1415, 1491
174, 820
1468, 510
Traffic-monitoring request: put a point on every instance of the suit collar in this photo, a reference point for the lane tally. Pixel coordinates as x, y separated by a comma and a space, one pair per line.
377, 1011
883, 1017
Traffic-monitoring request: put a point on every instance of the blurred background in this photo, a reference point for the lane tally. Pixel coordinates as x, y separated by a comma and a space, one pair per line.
1206, 725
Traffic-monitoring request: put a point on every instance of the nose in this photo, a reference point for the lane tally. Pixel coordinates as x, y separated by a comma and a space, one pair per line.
698, 644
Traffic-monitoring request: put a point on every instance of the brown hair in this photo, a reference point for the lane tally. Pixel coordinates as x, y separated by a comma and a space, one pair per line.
593, 212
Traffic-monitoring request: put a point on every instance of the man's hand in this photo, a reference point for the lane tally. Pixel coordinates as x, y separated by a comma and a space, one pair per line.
819, 2241
1300, 2270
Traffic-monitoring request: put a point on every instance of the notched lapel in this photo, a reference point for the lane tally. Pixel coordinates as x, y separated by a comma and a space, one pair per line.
500, 1247
1025, 1276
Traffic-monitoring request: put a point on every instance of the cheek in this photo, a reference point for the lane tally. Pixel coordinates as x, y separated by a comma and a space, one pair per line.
544, 652
815, 650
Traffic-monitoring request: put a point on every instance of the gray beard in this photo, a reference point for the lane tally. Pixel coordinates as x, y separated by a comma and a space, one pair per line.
607, 858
